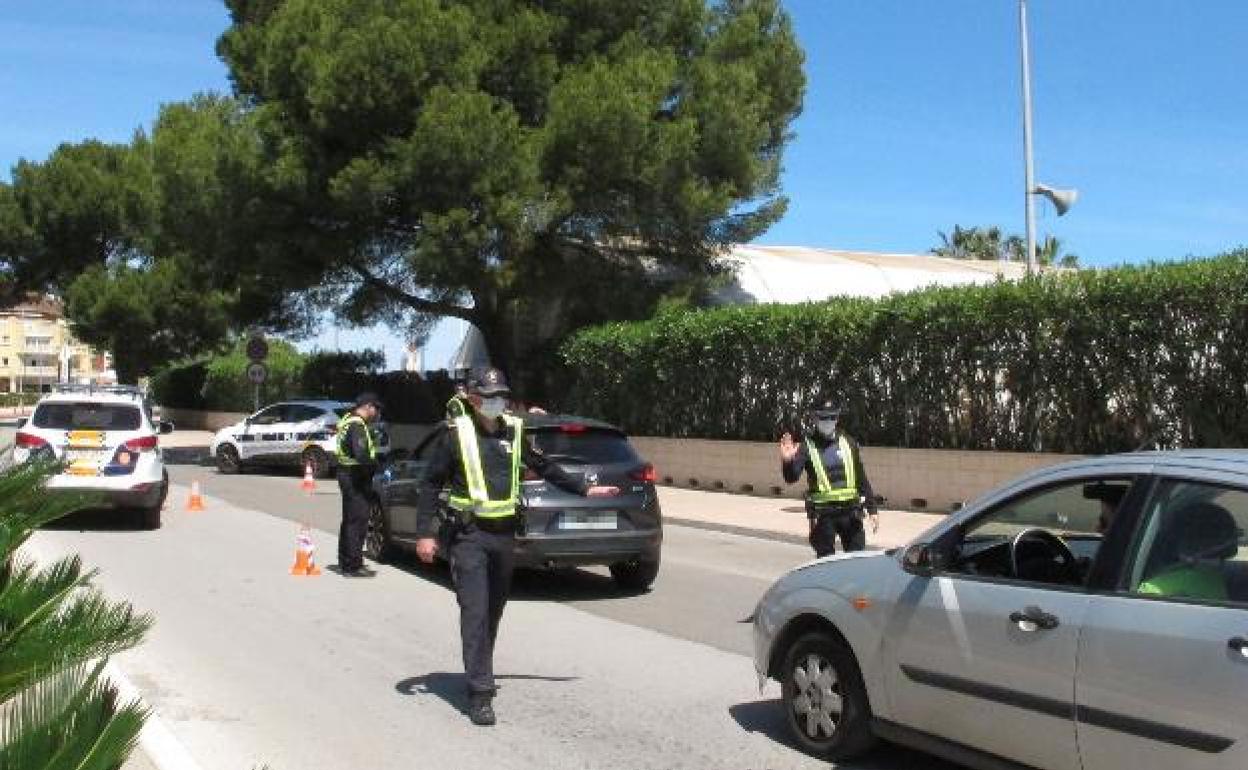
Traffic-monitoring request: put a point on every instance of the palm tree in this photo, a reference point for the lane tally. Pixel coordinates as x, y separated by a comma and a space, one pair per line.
988, 243
56, 633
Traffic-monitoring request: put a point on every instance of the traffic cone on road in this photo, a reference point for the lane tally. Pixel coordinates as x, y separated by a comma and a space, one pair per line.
309, 480
304, 547
196, 501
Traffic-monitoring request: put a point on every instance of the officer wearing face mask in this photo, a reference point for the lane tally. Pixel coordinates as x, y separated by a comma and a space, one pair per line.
479, 462
839, 492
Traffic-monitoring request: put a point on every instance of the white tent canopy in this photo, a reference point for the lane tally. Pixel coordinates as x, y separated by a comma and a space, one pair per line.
787, 274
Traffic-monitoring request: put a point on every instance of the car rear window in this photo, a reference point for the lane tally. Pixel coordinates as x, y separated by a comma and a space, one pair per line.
595, 447
87, 416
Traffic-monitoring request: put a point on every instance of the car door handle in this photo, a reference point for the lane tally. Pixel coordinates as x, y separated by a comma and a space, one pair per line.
1034, 619
1239, 644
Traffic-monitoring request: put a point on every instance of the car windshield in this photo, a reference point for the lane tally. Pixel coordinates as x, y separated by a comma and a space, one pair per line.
87, 416
586, 447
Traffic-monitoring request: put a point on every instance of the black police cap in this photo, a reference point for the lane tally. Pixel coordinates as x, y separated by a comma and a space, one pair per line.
491, 382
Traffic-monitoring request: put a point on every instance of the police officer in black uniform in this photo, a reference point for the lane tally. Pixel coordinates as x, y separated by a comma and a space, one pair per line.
356, 453
479, 461
839, 490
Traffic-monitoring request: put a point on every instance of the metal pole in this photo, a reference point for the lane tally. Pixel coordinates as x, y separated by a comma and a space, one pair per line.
1029, 172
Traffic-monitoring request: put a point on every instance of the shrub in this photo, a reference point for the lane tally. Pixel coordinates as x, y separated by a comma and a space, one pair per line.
56, 633
1088, 362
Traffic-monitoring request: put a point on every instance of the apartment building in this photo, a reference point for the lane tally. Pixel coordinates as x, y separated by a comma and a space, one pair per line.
38, 350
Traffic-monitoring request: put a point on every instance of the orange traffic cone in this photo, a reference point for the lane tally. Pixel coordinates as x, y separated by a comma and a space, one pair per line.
309, 481
196, 501
304, 547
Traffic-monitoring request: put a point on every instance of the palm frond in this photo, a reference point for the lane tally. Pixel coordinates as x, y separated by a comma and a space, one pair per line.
71, 720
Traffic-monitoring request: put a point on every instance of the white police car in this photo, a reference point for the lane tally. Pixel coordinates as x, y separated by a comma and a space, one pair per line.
108, 442
290, 433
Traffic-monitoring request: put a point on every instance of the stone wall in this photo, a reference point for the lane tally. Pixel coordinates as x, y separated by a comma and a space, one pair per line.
912, 479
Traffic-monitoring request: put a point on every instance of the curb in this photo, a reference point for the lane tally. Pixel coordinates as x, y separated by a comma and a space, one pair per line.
156, 740
733, 529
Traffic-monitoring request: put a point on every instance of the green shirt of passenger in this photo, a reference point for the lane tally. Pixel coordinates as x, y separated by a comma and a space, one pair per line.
1198, 581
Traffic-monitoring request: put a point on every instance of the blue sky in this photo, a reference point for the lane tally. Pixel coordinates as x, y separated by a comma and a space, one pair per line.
911, 122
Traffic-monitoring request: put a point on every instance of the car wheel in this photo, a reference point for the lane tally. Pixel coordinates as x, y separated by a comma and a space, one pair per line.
377, 543
825, 701
228, 461
149, 517
636, 575
316, 457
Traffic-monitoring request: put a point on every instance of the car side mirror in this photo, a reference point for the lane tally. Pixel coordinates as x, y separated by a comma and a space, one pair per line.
21, 422
924, 560
166, 427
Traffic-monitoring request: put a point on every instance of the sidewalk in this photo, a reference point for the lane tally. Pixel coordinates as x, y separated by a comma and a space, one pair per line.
772, 518
777, 518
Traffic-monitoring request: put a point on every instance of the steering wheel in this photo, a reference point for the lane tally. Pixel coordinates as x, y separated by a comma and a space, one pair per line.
1060, 552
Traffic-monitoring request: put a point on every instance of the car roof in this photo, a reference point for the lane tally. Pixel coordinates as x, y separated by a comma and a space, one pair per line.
1232, 460
100, 397
1211, 462
540, 421
321, 403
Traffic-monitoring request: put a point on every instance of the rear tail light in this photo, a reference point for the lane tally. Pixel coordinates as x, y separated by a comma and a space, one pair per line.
29, 441
141, 444
645, 473
572, 427
531, 475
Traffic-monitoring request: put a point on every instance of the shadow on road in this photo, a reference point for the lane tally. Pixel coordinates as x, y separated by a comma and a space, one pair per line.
189, 455
99, 520
540, 585
452, 689
766, 717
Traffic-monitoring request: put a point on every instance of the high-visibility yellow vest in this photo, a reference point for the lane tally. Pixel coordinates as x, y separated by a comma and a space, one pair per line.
478, 502
340, 448
824, 491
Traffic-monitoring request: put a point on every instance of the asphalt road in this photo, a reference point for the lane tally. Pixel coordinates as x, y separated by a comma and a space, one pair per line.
249, 665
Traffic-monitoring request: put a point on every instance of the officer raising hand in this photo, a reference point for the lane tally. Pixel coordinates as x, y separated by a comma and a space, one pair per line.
479, 461
838, 485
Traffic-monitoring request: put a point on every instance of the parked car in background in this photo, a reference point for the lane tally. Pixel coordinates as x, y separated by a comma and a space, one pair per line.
294, 434
108, 442
1091, 615
558, 528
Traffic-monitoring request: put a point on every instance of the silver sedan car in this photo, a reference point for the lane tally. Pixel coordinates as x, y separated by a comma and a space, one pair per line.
1088, 616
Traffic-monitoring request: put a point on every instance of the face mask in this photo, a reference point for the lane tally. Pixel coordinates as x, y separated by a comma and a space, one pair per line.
826, 428
492, 408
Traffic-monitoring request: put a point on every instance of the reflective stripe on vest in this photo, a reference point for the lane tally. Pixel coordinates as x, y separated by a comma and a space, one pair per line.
478, 501
340, 450
825, 493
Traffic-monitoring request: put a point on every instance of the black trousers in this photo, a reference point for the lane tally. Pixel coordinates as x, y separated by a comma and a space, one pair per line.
829, 526
482, 563
356, 499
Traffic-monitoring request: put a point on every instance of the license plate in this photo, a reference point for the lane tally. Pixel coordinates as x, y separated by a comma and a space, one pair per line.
86, 456
85, 439
588, 520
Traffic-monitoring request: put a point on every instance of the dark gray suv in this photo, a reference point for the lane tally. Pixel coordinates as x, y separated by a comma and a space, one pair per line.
558, 528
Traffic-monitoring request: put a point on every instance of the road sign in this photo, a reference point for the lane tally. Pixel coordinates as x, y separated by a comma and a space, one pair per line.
257, 373
257, 349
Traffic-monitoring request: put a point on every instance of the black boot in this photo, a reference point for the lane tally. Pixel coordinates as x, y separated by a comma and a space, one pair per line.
481, 709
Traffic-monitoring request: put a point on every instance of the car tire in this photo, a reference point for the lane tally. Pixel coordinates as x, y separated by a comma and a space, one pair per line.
635, 576
319, 460
377, 543
149, 517
822, 688
228, 461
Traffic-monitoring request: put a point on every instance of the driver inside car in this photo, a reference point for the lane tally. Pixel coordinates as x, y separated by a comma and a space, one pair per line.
1199, 539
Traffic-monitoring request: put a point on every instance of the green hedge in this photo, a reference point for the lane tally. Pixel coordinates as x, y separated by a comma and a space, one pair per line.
1089, 362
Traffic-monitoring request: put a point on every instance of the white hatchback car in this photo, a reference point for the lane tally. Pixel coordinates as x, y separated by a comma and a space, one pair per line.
1090, 616
108, 442
291, 433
